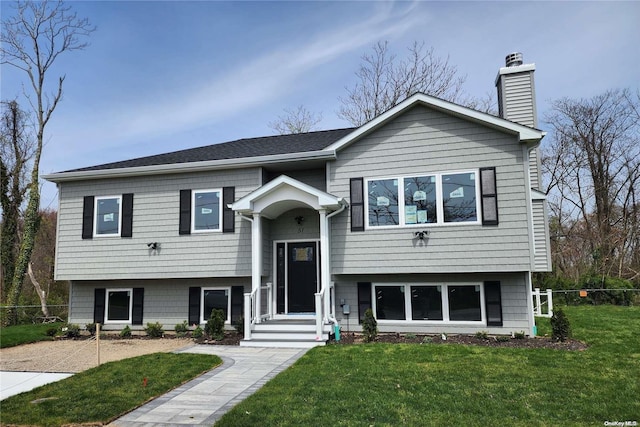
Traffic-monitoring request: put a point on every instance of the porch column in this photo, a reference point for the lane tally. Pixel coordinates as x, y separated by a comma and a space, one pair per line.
256, 262
324, 262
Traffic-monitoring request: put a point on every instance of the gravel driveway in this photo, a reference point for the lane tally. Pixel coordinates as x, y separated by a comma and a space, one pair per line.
78, 355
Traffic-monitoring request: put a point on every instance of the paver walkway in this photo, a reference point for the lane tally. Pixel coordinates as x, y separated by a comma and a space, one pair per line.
205, 399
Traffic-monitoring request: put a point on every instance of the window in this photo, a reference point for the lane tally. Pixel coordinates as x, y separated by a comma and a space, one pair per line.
417, 302
206, 211
119, 305
108, 212
444, 198
213, 298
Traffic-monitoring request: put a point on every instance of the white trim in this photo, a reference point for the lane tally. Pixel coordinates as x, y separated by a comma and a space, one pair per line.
106, 305
95, 216
193, 211
444, 295
439, 201
227, 290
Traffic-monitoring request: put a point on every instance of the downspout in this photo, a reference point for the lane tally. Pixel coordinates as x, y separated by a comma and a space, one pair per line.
343, 206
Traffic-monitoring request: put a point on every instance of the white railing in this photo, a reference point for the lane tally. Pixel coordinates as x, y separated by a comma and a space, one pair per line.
324, 309
539, 303
253, 307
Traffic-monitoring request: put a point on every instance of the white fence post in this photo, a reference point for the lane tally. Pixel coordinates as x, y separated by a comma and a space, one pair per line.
247, 316
549, 303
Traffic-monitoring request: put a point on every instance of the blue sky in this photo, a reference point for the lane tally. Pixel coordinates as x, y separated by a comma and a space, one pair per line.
163, 76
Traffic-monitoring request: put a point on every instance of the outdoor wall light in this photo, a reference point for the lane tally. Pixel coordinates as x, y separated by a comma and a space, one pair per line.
299, 219
421, 234
153, 246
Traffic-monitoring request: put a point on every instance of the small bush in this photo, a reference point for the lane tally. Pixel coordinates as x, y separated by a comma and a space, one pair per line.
520, 335
369, 326
197, 332
239, 325
215, 325
71, 330
154, 330
483, 335
410, 336
125, 332
503, 338
427, 340
560, 327
51, 332
91, 328
182, 329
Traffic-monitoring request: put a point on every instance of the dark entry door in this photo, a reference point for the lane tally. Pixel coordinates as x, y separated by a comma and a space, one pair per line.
302, 276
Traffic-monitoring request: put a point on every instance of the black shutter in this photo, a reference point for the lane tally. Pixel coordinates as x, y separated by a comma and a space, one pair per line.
87, 217
493, 303
185, 212
194, 306
127, 215
364, 299
357, 204
489, 195
237, 299
138, 306
98, 305
228, 219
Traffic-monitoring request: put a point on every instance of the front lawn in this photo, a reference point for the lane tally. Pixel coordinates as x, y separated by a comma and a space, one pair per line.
417, 385
11, 336
103, 393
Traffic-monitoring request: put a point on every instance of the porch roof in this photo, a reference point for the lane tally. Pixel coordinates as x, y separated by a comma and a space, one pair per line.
285, 193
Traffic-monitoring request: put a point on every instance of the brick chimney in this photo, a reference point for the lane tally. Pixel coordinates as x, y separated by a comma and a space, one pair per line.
516, 91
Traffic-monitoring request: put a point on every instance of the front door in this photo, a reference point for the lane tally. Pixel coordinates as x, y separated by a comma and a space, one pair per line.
301, 276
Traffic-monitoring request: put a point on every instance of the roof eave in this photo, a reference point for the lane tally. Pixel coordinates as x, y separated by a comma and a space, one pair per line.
190, 167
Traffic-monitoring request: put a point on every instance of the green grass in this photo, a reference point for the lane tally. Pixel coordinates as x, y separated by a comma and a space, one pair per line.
417, 385
24, 334
105, 392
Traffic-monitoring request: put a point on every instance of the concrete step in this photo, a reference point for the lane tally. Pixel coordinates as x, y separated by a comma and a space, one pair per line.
281, 343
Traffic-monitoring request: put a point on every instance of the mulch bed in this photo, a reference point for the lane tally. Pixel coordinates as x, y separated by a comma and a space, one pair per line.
491, 341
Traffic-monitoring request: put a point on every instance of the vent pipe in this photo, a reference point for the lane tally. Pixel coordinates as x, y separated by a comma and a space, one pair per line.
513, 59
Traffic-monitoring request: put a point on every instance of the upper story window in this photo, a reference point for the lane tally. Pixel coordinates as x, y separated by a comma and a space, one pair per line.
108, 213
206, 211
423, 199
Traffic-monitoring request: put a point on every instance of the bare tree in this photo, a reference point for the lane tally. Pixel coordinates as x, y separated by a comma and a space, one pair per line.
16, 150
31, 41
384, 81
299, 120
593, 172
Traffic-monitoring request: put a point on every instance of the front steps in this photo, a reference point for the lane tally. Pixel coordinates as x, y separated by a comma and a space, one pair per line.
287, 334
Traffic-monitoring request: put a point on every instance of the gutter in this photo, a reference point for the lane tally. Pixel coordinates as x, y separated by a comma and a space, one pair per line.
207, 165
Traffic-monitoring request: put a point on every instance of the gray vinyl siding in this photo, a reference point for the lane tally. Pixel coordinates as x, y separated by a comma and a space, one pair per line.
165, 301
423, 141
517, 98
316, 178
155, 219
513, 290
542, 259
534, 169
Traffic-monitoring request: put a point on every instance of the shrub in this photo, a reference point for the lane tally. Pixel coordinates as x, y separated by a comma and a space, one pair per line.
154, 330
125, 332
410, 336
239, 325
215, 325
51, 332
369, 326
560, 327
197, 332
520, 335
91, 328
483, 335
503, 338
182, 329
427, 340
71, 330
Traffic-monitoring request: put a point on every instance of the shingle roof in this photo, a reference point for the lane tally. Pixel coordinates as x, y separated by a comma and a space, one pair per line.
241, 148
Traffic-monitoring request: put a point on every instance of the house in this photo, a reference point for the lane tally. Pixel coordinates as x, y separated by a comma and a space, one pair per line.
431, 215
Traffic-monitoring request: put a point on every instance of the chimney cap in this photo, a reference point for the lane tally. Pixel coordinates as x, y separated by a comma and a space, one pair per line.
513, 59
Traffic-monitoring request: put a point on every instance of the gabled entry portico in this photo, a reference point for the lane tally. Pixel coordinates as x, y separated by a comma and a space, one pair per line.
298, 257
